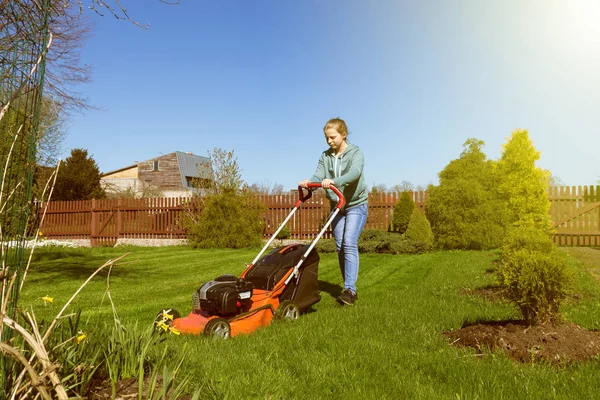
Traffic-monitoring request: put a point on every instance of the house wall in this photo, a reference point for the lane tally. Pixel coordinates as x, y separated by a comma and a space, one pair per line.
167, 178
126, 173
113, 185
120, 180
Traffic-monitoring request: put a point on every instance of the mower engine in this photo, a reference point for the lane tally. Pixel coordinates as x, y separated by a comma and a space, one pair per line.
225, 295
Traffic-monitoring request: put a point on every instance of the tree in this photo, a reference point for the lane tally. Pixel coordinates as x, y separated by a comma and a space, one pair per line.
227, 174
402, 212
51, 132
465, 210
404, 186
419, 229
379, 188
69, 28
267, 188
523, 186
78, 178
230, 215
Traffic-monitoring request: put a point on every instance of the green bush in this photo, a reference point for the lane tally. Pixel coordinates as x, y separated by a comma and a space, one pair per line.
465, 210
376, 241
535, 274
326, 246
419, 229
284, 233
228, 220
402, 212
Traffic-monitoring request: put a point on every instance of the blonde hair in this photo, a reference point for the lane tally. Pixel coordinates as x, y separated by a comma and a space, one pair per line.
338, 124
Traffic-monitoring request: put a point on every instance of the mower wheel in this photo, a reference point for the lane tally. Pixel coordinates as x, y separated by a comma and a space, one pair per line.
287, 310
164, 319
218, 328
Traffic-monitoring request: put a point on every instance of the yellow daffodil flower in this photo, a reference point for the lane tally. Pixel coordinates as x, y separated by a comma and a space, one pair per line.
162, 325
165, 315
80, 337
174, 331
48, 299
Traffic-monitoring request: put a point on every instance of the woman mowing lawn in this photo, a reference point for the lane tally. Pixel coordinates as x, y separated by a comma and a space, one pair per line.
342, 165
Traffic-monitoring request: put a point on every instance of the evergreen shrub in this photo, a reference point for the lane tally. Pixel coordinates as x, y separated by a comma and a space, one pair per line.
465, 210
535, 274
228, 220
284, 233
402, 212
419, 229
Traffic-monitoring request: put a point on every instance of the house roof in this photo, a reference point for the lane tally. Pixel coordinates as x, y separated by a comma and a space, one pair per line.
190, 165
193, 166
117, 170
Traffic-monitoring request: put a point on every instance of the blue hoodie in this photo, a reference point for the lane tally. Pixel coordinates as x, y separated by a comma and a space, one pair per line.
346, 170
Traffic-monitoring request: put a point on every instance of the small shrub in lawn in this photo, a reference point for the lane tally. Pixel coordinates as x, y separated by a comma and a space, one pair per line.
372, 235
402, 212
228, 220
326, 246
284, 233
535, 274
400, 244
419, 229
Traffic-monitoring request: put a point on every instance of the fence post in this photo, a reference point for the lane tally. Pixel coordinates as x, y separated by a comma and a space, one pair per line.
119, 218
94, 226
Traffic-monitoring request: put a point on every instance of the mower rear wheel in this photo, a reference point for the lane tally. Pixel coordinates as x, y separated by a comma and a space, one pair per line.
164, 319
287, 310
218, 328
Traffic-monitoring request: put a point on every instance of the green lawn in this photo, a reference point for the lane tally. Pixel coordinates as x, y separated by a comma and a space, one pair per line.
388, 346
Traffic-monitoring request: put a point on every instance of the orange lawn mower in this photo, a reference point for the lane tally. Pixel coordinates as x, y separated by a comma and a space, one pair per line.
281, 285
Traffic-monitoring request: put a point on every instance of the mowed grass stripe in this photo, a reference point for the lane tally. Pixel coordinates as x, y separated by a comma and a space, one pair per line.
388, 346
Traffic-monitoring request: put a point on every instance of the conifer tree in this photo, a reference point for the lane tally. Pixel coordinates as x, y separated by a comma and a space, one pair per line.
78, 178
523, 186
465, 210
419, 229
402, 212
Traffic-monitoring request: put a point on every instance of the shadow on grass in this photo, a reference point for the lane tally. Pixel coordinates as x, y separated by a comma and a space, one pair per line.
330, 288
66, 264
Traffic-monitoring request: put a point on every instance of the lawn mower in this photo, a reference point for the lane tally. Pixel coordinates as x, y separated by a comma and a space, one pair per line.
280, 285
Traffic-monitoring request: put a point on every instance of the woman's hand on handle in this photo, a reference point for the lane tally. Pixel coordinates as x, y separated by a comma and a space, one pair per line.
304, 183
326, 182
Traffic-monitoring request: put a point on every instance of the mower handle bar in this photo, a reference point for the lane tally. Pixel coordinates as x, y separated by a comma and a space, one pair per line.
302, 198
315, 185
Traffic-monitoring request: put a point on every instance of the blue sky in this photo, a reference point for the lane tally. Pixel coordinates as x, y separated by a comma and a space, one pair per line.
412, 79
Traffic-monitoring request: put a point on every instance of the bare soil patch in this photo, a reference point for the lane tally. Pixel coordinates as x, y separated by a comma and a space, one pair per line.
559, 343
555, 344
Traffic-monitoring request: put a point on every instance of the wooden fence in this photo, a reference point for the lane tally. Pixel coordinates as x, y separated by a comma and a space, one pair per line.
575, 212
105, 221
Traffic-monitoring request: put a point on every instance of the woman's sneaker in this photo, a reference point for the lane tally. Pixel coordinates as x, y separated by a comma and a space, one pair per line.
347, 297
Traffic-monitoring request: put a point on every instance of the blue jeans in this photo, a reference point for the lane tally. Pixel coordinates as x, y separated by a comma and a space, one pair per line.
347, 226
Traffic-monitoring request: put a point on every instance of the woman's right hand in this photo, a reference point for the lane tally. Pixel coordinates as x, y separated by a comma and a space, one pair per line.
304, 183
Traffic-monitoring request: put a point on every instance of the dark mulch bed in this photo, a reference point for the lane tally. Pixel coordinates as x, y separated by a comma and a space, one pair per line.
553, 343
558, 343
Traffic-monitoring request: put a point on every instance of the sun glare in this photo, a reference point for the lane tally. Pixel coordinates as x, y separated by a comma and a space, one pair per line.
584, 20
